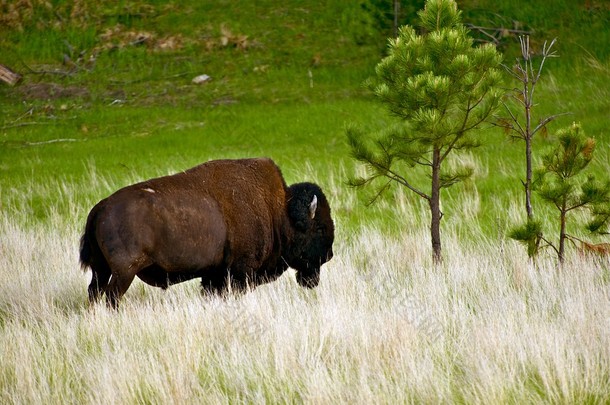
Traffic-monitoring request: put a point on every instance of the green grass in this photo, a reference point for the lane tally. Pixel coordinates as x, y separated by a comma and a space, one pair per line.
137, 115
134, 146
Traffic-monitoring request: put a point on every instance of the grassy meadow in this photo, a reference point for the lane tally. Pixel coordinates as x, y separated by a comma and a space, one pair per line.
383, 326
107, 99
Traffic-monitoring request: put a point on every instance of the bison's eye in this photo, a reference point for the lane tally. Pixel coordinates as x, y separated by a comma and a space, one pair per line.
321, 229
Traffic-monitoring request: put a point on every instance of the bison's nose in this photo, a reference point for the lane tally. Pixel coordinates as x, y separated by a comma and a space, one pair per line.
329, 254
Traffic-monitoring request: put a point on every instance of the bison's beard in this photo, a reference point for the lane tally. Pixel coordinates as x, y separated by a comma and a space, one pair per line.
308, 279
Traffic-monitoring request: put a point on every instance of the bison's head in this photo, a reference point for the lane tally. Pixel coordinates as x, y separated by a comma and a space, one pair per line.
314, 232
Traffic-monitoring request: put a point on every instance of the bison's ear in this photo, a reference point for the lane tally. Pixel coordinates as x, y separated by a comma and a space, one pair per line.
302, 204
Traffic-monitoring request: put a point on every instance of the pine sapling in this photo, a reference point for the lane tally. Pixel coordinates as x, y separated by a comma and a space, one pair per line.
560, 180
441, 88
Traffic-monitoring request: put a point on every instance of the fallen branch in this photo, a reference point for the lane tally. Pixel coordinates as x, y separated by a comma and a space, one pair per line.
495, 33
498, 29
48, 72
21, 124
8, 76
50, 141
25, 114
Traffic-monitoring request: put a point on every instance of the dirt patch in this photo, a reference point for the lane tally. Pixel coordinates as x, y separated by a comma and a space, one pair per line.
51, 91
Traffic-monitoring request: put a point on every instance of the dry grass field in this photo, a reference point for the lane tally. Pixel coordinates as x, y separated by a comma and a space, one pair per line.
384, 326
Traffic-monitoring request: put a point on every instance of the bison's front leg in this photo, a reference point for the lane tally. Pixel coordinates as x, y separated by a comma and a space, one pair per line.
226, 281
214, 282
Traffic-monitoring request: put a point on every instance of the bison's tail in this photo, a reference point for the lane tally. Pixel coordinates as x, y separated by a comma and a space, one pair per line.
85, 252
88, 242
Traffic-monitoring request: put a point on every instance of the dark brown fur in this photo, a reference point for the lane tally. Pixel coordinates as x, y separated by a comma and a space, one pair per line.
223, 220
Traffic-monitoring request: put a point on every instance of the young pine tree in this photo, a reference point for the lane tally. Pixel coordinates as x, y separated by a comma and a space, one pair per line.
527, 72
520, 125
441, 89
559, 181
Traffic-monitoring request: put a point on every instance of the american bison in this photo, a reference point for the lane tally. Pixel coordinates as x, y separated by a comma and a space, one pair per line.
233, 223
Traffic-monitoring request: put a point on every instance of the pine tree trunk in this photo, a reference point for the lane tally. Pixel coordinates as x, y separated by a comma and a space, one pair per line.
527, 103
435, 207
528, 178
562, 236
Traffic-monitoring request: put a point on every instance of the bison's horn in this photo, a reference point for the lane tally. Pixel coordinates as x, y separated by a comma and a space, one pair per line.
313, 206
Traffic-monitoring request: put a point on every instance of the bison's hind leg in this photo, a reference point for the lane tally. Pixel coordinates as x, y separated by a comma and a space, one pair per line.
124, 269
119, 283
100, 275
154, 275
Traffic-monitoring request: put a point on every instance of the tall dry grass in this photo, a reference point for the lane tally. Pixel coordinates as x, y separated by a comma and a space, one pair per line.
384, 326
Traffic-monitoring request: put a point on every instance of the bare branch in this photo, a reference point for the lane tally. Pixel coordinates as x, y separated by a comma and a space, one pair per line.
524, 41
546, 53
519, 129
547, 120
512, 72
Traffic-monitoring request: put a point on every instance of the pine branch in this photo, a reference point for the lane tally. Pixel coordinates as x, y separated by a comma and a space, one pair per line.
379, 192
549, 244
401, 180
